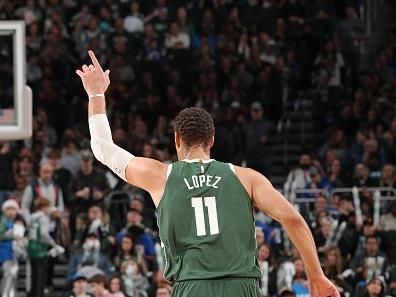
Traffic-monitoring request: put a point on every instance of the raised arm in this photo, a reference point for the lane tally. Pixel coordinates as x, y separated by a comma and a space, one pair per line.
272, 202
144, 173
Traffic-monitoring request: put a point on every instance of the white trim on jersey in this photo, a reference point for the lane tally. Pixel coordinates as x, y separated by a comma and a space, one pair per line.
232, 167
168, 172
198, 160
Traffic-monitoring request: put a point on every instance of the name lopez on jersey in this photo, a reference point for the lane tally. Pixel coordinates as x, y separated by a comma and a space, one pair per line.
202, 180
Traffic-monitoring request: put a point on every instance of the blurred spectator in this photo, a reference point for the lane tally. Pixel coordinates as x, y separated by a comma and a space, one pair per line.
374, 288
39, 242
387, 227
98, 224
371, 262
336, 175
6, 179
70, 156
351, 32
99, 286
134, 281
298, 177
317, 181
388, 178
176, 39
127, 252
25, 168
300, 282
116, 286
20, 185
44, 186
133, 23
79, 287
138, 232
361, 177
88, 187
90, 256
268, 281
11, 231
61, 175
163, 291
258, 132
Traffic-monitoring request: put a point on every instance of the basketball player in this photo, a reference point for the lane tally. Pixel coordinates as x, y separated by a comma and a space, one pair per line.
204, 207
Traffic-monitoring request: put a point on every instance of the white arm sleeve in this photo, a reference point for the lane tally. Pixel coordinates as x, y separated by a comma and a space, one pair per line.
103, 147
99, 127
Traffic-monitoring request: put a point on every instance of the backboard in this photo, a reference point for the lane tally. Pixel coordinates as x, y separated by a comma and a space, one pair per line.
15, 96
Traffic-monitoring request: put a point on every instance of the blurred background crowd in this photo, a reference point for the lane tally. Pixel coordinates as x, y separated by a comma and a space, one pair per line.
244, 61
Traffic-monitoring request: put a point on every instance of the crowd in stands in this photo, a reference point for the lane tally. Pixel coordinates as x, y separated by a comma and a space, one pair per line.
245, 62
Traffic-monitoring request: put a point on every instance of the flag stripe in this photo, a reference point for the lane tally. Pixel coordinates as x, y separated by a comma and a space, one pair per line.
7, 116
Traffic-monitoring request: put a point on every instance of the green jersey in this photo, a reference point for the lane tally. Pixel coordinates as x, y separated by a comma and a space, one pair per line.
206, 223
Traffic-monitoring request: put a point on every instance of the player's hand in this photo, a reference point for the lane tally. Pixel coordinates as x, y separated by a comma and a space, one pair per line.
322, 287
94, 79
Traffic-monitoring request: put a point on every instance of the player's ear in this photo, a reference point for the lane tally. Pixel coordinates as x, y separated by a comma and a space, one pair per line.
211, 142
177, 140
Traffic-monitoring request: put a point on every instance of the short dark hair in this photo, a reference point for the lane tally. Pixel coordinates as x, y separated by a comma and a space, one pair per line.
371, 237
195, 126
99, 279
41, 202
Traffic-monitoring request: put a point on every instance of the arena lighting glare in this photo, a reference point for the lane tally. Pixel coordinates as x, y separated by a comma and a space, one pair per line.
15, 96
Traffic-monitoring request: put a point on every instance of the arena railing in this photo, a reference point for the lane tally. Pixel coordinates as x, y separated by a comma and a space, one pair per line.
380, 196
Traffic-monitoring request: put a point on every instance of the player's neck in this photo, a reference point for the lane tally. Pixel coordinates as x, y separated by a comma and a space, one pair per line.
195, 154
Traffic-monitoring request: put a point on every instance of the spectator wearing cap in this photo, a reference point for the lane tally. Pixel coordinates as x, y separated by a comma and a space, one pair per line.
258, 133
318, 181
79, 287
11, 229
88, 187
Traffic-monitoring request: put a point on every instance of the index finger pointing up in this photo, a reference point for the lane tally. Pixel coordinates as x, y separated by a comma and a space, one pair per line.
94, 60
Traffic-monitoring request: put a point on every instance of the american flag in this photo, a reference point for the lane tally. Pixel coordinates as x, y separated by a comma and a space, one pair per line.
7, 116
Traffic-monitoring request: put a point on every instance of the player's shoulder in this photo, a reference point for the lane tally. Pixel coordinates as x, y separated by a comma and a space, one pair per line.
245, 171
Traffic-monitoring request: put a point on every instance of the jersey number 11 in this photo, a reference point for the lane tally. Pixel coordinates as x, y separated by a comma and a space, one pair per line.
210, 203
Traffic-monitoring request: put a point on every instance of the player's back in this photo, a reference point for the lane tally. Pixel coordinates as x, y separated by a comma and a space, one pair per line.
206, 223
